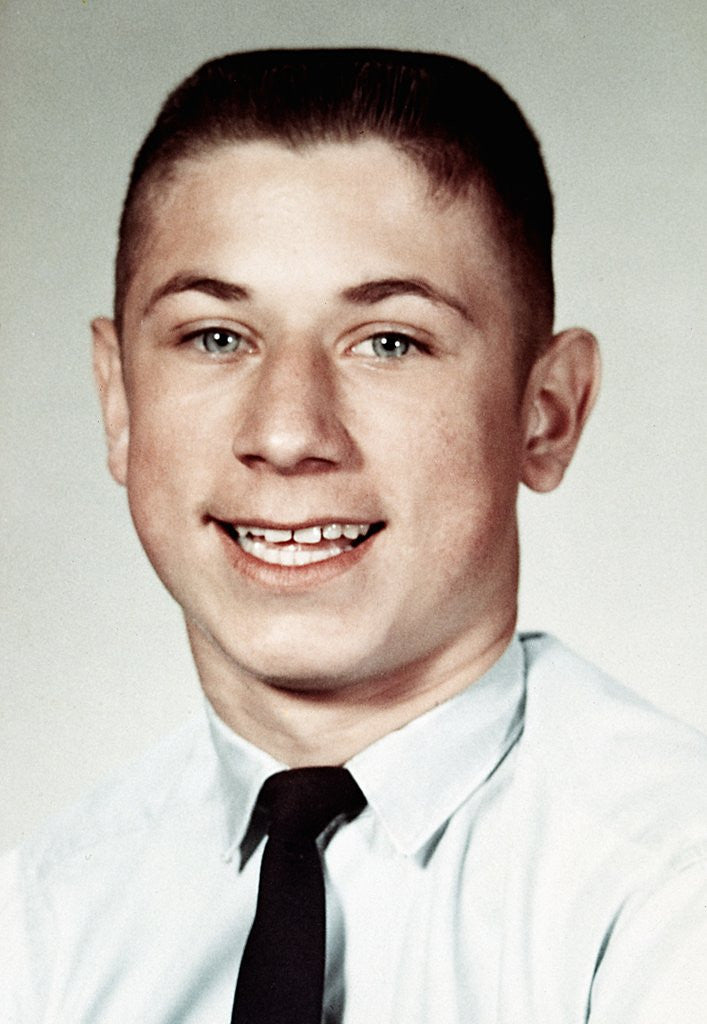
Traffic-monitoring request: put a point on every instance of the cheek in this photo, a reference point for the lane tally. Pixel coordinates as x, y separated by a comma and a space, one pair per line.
466, 473
472, 452
166, 463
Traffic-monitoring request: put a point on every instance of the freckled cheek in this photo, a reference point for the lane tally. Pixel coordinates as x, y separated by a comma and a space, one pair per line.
165, 496
468, 481
167, 461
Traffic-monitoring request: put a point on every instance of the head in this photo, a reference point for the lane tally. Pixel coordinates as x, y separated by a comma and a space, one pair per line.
454, 122
333, 313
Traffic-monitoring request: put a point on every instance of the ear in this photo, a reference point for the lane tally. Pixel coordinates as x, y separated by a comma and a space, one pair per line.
559, 396
108, 374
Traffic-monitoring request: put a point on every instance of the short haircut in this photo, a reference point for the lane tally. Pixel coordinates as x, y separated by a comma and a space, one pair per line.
448, 116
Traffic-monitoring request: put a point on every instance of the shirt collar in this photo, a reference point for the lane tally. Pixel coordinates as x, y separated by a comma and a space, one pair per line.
414, 778
242, 769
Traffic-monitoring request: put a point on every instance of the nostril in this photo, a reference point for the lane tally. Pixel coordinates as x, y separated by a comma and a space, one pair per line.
287, 467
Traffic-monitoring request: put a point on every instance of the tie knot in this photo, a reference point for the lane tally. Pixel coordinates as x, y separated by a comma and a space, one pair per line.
302, 801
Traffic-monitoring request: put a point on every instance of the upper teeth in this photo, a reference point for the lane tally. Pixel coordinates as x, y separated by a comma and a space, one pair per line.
307, 534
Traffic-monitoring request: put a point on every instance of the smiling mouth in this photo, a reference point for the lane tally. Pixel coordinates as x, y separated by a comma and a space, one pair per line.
300, 546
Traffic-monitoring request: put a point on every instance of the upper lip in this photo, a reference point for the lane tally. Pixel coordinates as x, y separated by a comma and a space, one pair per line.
302, 524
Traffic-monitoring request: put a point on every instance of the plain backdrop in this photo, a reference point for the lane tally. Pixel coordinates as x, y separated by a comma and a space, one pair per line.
95, 666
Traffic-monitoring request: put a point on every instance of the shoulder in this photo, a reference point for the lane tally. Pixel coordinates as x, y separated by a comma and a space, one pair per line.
127, 805
59, 886
611, 756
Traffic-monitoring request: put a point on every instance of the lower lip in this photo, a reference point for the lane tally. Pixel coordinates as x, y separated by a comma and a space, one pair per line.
288, 578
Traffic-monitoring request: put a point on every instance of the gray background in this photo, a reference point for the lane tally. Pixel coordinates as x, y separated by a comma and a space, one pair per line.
94, 663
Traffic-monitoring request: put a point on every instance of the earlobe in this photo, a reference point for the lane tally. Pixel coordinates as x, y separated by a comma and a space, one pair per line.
560, 394
108, 374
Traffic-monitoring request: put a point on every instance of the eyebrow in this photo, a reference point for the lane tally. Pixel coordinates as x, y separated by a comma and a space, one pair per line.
368, 293
226, 291
371, 292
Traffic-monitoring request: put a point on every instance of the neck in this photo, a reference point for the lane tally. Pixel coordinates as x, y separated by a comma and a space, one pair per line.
301, 727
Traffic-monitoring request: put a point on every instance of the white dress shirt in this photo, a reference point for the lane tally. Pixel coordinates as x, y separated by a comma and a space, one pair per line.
533, 851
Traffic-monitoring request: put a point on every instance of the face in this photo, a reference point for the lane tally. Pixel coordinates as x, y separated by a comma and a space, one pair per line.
318, 418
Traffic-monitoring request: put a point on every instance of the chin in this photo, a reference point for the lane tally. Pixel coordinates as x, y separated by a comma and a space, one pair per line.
288, 660
306, 671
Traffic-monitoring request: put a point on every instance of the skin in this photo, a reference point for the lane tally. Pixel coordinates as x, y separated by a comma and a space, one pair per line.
306, 421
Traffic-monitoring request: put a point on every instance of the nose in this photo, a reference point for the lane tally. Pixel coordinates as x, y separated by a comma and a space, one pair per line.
290, 418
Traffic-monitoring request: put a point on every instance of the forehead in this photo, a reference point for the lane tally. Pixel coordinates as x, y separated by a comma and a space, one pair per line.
318, 217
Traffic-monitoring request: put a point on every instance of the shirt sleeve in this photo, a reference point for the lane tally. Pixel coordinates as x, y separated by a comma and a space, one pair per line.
654, 970
16, 997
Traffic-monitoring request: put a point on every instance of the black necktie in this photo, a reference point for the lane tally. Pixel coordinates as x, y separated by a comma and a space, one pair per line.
281, 977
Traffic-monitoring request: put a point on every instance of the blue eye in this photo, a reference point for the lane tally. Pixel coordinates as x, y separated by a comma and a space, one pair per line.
218, 340
389, 345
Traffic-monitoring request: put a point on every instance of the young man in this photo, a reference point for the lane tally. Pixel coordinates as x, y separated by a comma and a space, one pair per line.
330, 367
